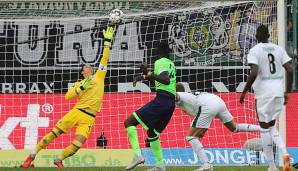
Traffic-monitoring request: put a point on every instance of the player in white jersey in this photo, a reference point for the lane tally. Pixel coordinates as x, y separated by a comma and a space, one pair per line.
206, 107
267, 62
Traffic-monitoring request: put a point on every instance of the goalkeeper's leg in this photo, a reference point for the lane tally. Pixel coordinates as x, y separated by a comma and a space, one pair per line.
47, 139
70, 150
43, 143
82, 133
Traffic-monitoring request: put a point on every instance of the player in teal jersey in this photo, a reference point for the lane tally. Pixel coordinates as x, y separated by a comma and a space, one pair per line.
155, 115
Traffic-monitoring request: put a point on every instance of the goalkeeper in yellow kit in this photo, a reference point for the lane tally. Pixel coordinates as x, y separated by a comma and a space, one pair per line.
89, 92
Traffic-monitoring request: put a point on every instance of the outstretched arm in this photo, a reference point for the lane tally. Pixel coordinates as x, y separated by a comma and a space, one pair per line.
71, 92
102, 70
78, 88
251, 78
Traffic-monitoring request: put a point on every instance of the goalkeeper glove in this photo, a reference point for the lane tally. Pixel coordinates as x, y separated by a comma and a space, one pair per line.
86, 84
108, 35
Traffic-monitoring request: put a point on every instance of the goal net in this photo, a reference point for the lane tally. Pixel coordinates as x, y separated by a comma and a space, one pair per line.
43, 43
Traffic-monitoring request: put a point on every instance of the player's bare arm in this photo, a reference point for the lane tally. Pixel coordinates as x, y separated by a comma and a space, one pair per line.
162, 78
289, 76
150, 76
250, 80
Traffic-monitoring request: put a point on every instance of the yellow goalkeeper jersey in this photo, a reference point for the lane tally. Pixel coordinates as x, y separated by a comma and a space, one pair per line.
91, 99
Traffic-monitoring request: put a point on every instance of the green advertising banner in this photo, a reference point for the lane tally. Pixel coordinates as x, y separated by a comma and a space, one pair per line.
84, 158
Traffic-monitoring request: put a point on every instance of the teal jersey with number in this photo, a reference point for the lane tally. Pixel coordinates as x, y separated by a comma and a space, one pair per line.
166, 66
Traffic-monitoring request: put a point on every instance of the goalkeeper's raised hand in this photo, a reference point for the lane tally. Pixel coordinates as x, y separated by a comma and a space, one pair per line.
86, 84
108, 35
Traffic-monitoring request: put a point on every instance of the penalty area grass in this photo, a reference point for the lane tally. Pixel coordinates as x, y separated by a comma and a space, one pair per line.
141, 168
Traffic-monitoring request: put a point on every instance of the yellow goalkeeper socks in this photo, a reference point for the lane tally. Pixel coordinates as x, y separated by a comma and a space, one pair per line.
156, 150
133, 139
71, 149
46, 140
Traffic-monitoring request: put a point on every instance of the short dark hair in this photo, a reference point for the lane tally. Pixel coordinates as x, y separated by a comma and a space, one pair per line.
262, 34
163, 49
180, 87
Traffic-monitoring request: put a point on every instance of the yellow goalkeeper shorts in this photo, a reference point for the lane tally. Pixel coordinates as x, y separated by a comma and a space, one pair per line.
78, 118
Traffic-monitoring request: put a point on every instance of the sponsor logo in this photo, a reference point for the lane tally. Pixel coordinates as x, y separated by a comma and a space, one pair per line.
199, 37
216, 156
122, 157
41, 87
74, 161
83, 158
31, 123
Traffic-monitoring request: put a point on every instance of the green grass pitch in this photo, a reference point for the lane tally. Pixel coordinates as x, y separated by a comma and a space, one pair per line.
176, 168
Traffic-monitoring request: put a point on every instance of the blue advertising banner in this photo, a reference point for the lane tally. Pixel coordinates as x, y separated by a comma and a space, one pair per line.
216, 156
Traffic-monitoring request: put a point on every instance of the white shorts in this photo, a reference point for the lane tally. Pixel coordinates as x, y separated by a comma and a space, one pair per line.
268, 109
210, 109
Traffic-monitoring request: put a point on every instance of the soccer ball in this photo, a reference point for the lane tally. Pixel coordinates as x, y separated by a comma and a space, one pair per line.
116, 16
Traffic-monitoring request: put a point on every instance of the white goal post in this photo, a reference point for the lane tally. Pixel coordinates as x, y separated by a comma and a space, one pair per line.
281, 27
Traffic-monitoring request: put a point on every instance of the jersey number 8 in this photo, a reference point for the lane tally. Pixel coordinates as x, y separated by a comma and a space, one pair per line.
271, 63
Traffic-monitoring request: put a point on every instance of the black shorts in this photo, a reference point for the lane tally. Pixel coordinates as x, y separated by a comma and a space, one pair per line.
157, 113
